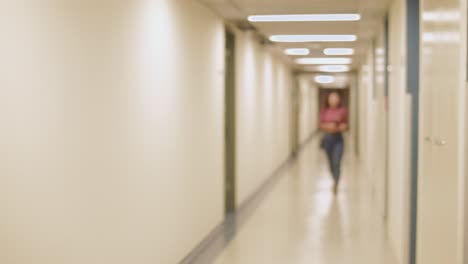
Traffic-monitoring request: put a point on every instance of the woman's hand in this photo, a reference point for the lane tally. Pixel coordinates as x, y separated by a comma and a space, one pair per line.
343, 127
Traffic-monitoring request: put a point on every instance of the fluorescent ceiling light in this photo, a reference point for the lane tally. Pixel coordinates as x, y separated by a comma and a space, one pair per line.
338, 52
313, 38
334, 68
305, 18
324, 79
318, 61
297, 52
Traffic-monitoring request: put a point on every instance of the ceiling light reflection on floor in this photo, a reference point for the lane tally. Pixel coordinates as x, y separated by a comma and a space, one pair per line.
441, 16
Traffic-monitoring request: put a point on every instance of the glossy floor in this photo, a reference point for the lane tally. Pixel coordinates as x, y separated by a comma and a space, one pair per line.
301, 221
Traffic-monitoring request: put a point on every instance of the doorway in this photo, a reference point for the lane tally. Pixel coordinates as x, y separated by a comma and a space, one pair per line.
230, 123
295, 123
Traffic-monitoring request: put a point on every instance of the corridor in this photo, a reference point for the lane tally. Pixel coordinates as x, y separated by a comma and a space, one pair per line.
188, 132
300, 221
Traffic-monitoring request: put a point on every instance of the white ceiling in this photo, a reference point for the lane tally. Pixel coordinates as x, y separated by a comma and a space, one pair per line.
372, 12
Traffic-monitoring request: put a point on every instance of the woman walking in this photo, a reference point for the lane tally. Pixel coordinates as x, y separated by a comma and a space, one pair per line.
333, 122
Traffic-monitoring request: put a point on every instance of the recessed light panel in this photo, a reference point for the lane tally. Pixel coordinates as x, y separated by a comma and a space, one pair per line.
338, 52
318, 61
313, 38
334, 68
297, 52
305, 18
324, 79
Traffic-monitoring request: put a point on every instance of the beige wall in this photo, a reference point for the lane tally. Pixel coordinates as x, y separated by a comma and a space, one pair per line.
399, 140
263, 118
379, 112
372, 127
309, 107
112, 130
354, 117
366, 117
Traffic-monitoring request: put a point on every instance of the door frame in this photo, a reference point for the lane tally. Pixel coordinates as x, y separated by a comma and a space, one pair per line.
387, 118
295, 115
230, 122
412, 79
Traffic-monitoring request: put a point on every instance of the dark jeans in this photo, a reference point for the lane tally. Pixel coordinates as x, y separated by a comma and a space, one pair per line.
333, 144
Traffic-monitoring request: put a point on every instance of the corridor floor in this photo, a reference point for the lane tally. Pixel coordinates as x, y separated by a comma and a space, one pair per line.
300, 221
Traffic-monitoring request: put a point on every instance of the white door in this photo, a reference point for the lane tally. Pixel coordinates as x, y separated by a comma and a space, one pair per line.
441, 95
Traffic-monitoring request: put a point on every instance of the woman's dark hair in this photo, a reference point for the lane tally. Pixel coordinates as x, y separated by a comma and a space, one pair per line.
326, 104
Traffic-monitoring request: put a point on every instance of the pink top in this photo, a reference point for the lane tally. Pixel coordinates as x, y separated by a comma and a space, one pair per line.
337, 115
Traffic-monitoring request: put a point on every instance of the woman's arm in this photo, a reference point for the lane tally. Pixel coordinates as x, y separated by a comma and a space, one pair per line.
343, 127
344, 123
